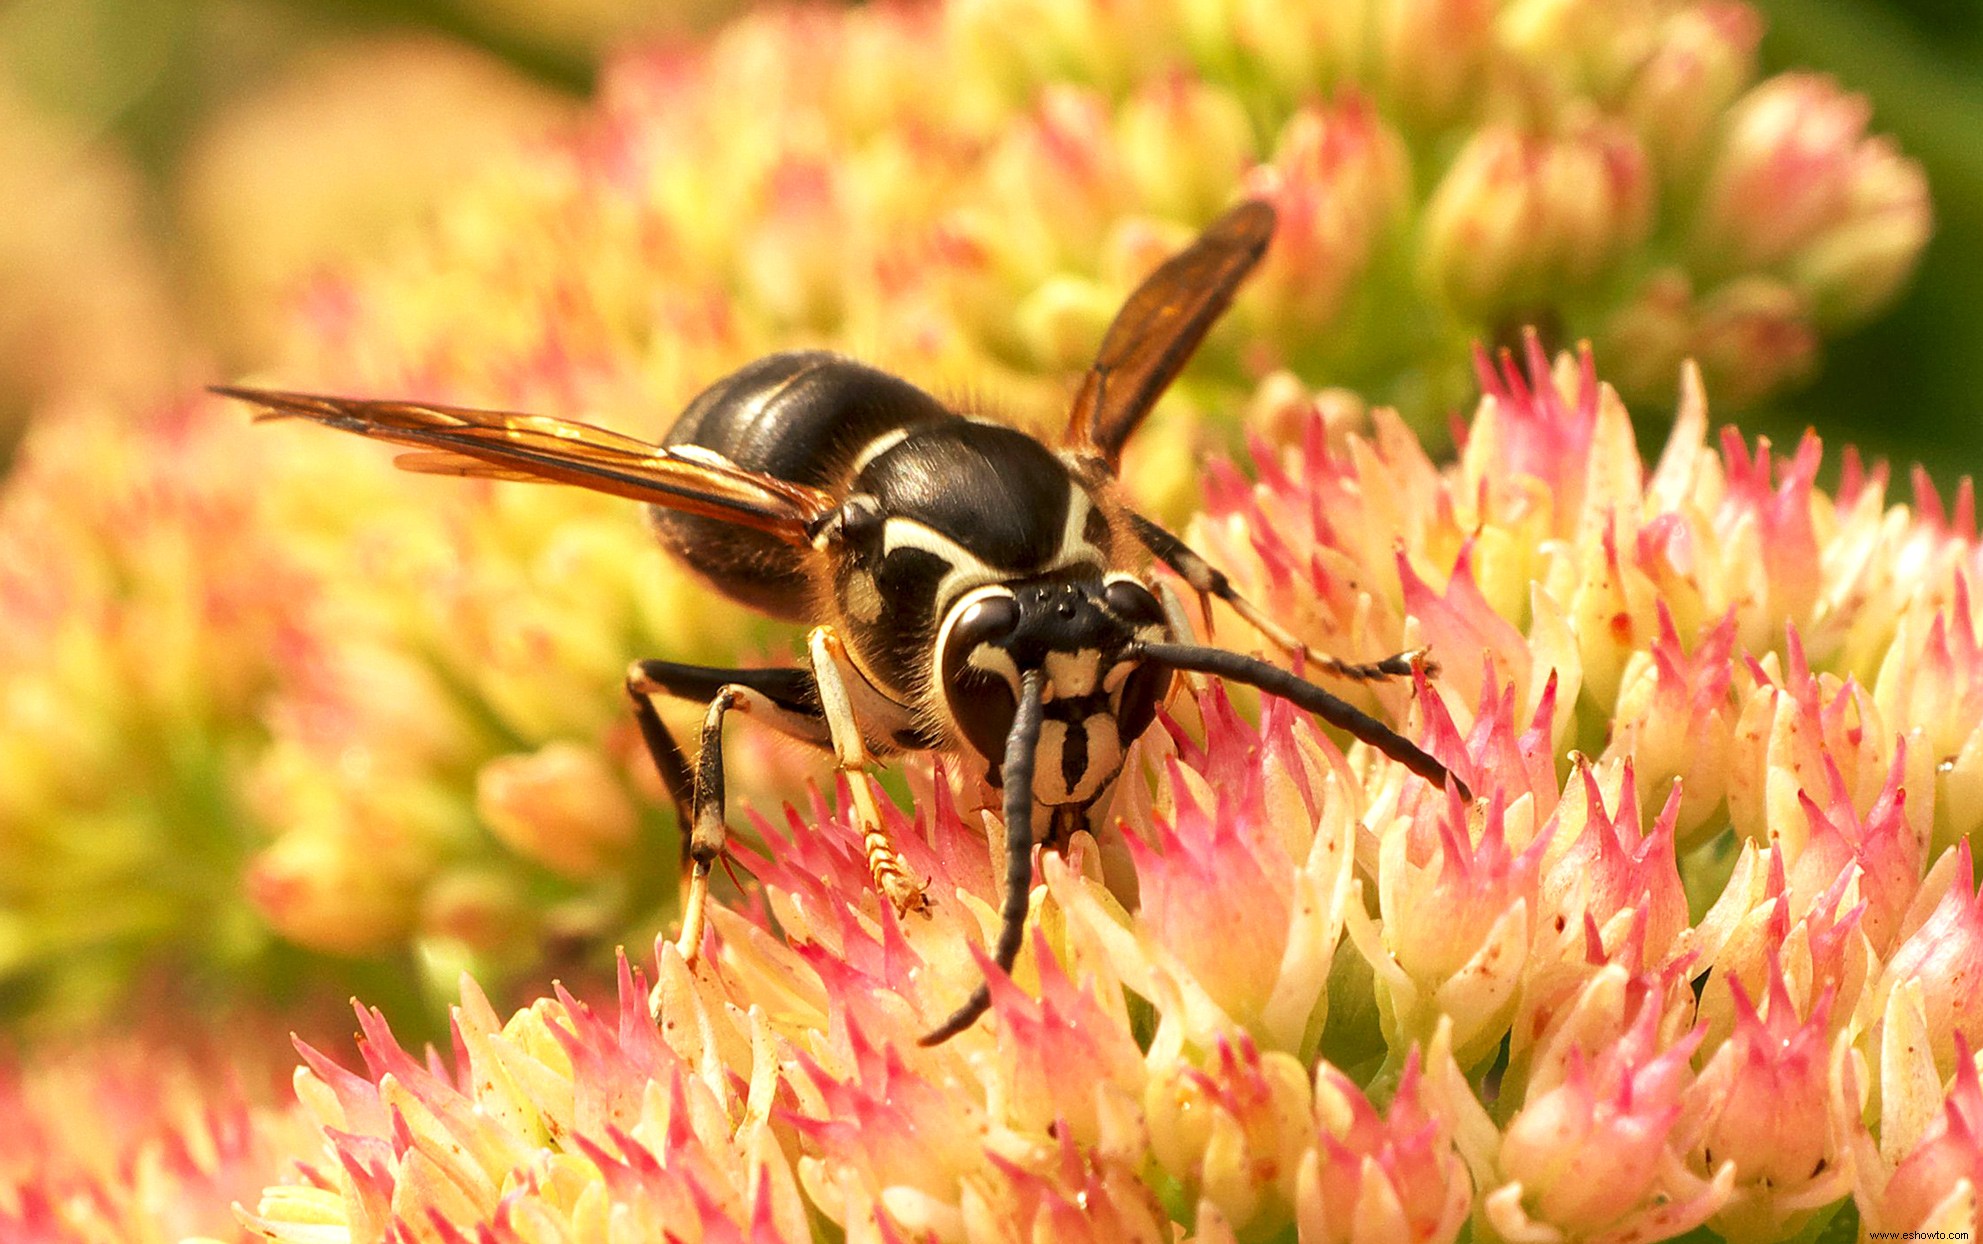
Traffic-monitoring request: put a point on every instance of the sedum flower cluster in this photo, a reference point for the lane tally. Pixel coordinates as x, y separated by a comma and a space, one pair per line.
276, 710
278, 716
1337, 1004
142, 1139
966, 191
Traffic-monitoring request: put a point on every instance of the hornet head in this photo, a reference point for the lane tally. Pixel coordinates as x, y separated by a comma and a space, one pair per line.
1082, 632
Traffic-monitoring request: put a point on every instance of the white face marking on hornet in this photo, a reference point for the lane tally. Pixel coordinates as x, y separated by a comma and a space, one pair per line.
861, 596
966, 571
1073, 673
989, 659
1104, 761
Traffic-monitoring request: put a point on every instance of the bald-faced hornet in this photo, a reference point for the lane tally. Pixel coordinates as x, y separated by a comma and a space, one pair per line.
971, 588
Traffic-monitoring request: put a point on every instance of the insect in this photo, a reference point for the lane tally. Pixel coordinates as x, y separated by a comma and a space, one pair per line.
970, 587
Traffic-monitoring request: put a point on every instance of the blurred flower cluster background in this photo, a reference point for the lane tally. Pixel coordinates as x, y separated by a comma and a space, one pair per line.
177, 169
279, 725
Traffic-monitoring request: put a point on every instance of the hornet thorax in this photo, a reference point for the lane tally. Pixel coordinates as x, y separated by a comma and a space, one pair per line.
967, 553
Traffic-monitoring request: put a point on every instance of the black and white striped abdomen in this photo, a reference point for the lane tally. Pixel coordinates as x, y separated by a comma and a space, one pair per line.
804, 416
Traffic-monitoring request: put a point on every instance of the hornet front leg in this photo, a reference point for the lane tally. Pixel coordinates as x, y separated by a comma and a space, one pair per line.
835, 674
785, 699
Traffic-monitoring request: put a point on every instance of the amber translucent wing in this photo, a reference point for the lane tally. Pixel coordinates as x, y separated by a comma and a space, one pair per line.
1158, 329
500, 445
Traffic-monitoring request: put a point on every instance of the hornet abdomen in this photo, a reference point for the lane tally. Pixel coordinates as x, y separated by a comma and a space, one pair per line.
804, 416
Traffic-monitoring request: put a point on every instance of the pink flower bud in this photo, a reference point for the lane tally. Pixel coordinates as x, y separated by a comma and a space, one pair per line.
1071, 1061
1599, 865
1944, 957
1434, 54
1932, 680
1857, 266
1764, 1099
1590, 998
1244, 888
1341, 181
1675, 719
1313, 542
1457, 919
1083, 1198
887, 1124
357, 846
1235, 1131
1795, 724
1703, 56
1461, 619
560, 806
1819, 952
1598, 1150
1935, 1185
1520, 217
1375, 1177
1753, 335
1554, 423
1798, 189
1881, 846
1782, 173
1059, 173
1183, 142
